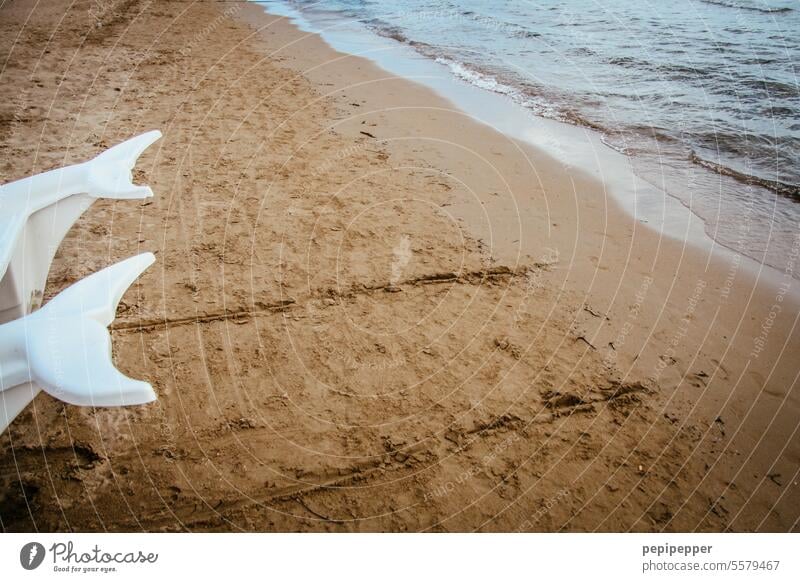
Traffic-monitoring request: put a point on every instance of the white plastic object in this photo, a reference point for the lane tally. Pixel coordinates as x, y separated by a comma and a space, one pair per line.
37, 212
65, 348
35, 215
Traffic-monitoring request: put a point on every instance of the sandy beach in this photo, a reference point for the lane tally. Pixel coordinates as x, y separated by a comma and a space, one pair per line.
370, 312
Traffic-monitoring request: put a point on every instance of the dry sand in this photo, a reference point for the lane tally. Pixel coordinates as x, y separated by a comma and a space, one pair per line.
369, 312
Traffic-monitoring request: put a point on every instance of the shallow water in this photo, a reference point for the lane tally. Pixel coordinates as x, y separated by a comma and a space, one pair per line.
702, 95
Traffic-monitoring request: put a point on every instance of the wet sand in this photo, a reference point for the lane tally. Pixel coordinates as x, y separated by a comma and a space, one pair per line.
370, 312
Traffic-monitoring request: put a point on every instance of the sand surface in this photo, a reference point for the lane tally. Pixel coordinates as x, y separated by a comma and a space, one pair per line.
369, 312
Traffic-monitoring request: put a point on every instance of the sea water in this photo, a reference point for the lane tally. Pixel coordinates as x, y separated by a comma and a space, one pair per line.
700, 96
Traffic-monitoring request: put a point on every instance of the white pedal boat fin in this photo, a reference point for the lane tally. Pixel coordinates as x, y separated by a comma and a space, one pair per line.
37, 212
65, 347
109, 174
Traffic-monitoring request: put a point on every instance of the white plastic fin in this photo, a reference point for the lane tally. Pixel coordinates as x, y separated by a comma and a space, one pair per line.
106, 176
65, 347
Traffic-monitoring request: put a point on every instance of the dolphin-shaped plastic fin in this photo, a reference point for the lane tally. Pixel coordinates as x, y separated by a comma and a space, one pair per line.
76, 367
65, 347
110, 175
97, 296
42, 199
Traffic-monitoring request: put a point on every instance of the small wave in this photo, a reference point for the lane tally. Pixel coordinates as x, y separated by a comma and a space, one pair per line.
570, 115
526, 97
383, 28
476, 78
502, 26
627, 62
674, 71
393, 33
653, 132
763, 9
771, 88
537, 105
610, 141
780, 112
789, 190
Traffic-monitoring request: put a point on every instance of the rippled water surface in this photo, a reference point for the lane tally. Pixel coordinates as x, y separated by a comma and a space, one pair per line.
702, 94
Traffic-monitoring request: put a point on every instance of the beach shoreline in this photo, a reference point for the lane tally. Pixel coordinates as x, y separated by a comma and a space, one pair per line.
372, 313
663, 192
